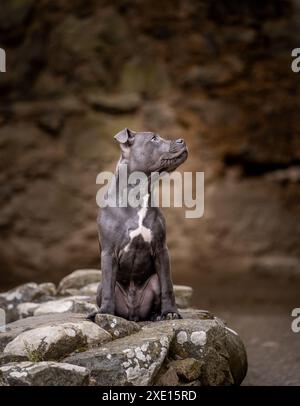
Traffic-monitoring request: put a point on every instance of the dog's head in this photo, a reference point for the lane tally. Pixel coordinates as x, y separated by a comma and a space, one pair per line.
149, 152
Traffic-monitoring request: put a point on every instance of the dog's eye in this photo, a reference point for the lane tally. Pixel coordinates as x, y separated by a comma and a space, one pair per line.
154, 138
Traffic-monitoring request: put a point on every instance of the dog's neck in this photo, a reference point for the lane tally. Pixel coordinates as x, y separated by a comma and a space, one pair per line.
122, 188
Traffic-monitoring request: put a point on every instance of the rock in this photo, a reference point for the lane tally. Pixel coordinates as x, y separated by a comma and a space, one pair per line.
196, 314
168, 378
193, 383
132, 360
48, 288
8, 358
210, 341
17, 327
116, 326
43, 373
191, 337
78, 279
28, 292
196, 350
74, 304
183, 296
115, 104
26, 309
2, 320
237, 356
52, 342
203, 352
90, 289
189, 368
22, 293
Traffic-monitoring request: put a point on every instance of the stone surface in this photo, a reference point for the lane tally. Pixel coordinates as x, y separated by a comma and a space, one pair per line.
26, 309
74, 304
48, 288
132, 360
52, 342
8, 358
43, 373
196, 350
189, 368
90, 289
78, 279
116, 326
211, 342
28, 292
197, 314
167, 378
12, 330
219, 356
183, 296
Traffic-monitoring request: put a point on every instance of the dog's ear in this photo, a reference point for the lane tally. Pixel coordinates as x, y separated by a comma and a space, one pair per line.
125, 137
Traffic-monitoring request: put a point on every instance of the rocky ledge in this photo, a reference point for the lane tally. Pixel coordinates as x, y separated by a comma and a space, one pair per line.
48, 341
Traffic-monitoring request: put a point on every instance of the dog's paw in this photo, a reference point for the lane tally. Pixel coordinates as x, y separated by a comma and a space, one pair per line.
107, 310
170, 316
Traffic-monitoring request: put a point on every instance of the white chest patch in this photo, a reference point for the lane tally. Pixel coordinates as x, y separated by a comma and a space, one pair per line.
141, 230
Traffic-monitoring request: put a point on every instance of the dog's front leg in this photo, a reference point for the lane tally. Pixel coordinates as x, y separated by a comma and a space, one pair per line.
162, 264
109, 272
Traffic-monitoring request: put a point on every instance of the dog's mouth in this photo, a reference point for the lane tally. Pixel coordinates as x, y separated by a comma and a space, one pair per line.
169, 164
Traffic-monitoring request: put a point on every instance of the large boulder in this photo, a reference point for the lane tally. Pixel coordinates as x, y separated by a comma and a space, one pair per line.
73, 304
43, 373
215, 354
12, 330
79, 279
131, 360
51, 342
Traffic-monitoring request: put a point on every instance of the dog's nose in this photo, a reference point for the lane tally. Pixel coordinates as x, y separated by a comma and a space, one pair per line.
180, 141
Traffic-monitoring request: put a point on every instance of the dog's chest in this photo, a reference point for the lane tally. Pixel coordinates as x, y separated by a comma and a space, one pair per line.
140, 230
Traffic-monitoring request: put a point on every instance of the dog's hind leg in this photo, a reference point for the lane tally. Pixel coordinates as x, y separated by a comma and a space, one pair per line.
149, 304
139, 303
146, 306
122, 306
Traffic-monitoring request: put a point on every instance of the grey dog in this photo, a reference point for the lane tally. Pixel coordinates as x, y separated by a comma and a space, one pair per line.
136, 278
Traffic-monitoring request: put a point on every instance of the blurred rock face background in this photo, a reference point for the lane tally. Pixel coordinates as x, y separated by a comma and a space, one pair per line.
214, 73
